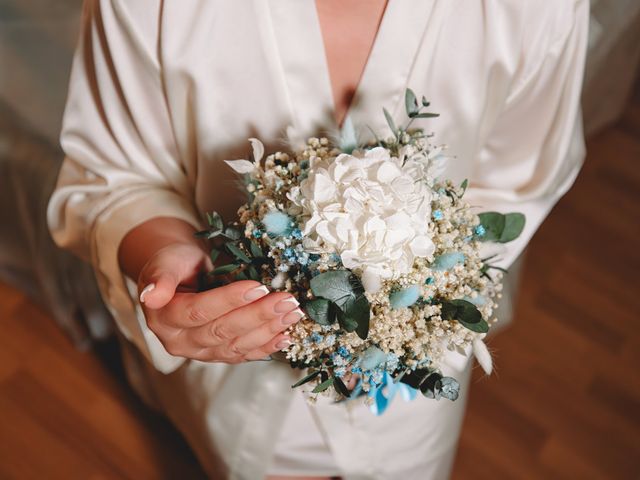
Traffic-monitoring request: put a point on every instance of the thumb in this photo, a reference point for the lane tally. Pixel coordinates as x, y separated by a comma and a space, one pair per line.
159, 289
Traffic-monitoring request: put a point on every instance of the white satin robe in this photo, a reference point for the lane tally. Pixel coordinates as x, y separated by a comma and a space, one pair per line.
162, 91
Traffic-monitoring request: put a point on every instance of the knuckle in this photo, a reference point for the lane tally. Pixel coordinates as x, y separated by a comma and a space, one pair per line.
235, 350
219, 332
197, 315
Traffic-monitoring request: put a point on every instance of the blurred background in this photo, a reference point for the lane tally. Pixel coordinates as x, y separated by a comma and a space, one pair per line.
563, 403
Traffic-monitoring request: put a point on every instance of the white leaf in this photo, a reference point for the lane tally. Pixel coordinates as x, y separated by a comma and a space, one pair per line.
241, 166
258, 150
483, 356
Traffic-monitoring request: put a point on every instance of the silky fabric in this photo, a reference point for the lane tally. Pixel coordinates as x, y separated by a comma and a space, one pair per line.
162, 92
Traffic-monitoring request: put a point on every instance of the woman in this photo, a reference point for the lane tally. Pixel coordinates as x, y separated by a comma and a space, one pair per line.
163, 91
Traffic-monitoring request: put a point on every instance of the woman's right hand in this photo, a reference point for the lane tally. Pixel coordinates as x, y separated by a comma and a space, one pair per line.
234, 323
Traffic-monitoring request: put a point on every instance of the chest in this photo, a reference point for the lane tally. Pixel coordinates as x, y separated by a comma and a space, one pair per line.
349, 29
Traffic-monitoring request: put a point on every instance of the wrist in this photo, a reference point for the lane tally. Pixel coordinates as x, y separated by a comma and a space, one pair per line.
143, 242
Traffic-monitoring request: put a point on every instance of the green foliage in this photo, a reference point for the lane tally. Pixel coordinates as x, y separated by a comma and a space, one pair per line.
306, 378
466, 313
224, 269
235, 250
390, 122
322, 311
501, 228
343, 289
321, 387
340, 387
411, 103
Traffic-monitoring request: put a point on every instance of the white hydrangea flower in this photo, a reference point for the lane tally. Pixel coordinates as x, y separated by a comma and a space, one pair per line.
371, 209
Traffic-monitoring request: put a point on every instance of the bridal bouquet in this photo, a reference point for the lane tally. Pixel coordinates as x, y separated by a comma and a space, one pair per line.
382, 254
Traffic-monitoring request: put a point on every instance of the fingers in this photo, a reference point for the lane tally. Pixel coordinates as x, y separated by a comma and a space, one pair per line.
195, 309
168, 268
221, 354
257, 322
159, 291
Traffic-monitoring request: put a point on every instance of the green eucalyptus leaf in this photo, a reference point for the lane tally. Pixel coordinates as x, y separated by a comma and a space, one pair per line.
493, 223
232, 233
347, 323
256, 251
320, 311
466, 313
431, 386
513, 226
425, 103
306, 379
360, 311
339, 286
340, 387
242, 276
415, 377
426, 115
214, 255
478, 327
225, 269
390, 122
253, 273
410, 102
464, 185
235, 250
202, 234
215, 221
323, 386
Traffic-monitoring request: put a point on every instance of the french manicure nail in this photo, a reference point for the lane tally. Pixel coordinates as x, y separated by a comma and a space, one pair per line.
286, 305
283, 344
292, 317
256, 293
146, 290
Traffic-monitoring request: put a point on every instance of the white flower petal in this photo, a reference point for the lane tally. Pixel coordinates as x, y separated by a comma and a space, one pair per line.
241, 166
371, 280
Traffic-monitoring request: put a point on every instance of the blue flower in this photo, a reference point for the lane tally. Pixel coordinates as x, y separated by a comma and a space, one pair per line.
339, 372
316, 337
277, 223
296, 233
371, 358
289, 253
257, 233
343, 352
437, 215
405, 297
447, 261
480, 230
429, 281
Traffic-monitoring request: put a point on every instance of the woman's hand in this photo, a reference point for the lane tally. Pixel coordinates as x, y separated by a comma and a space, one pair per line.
234, 323
238, 322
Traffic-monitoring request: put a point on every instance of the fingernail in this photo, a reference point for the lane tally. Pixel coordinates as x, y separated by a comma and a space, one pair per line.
292, 317
146, 290
283, 344
256, 293
286, 305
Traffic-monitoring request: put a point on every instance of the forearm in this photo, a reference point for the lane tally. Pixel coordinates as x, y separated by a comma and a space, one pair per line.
142, 242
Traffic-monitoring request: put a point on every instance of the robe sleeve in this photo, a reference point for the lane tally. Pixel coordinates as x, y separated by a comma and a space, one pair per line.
122, 165
535, 149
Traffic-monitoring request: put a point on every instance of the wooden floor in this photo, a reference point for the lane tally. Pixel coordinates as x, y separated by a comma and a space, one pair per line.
564, 402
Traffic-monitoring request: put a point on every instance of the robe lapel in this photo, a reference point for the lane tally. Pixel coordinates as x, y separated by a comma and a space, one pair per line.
301, 57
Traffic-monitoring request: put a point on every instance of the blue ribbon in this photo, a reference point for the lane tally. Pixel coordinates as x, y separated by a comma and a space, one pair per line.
383, 394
